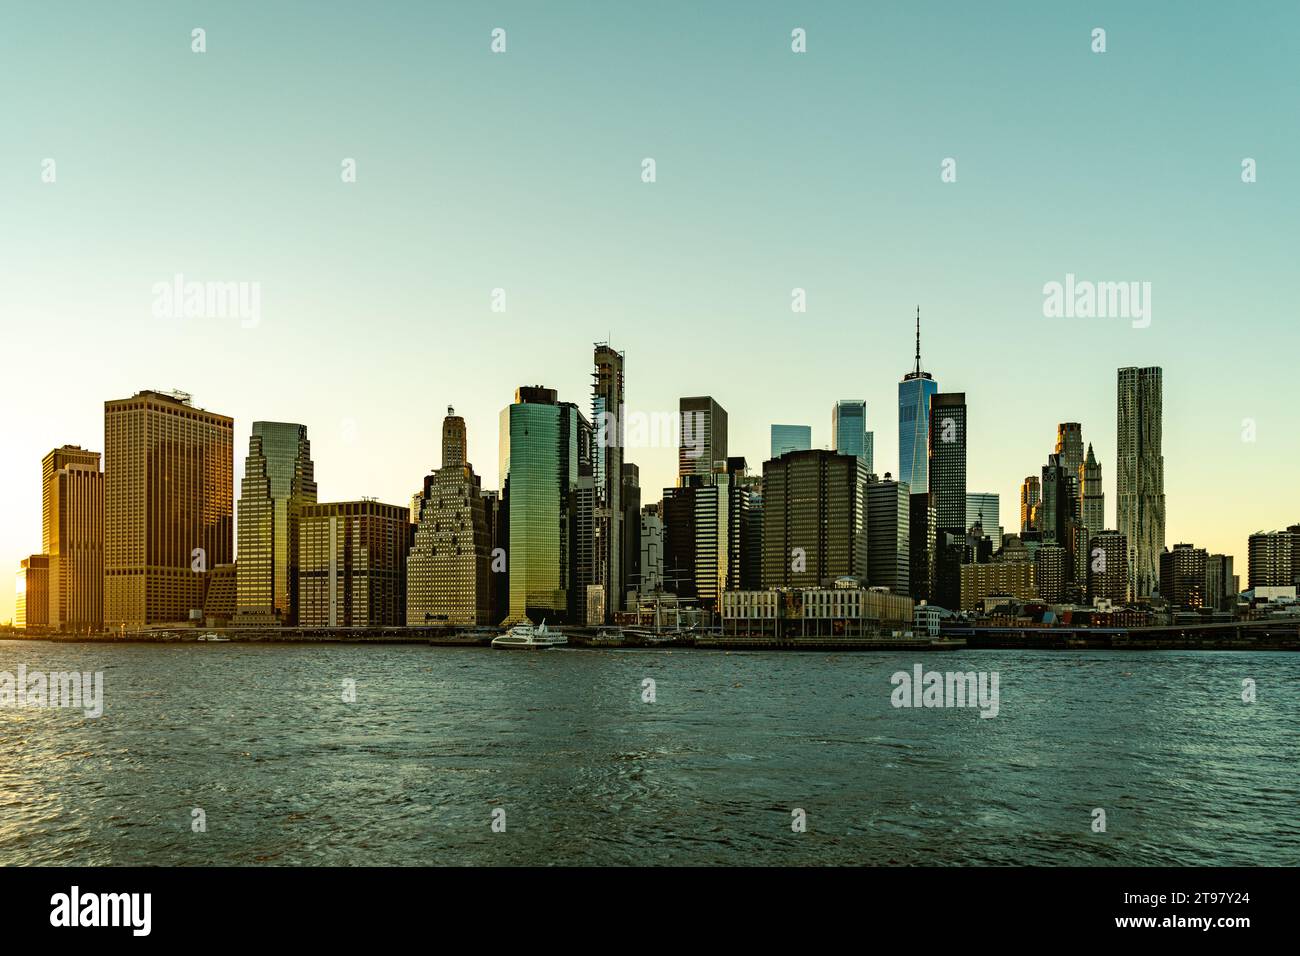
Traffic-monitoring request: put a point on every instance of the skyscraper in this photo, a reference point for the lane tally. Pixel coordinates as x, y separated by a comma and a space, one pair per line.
888, 535
449, 568
703, 438
704, 516
72, 499
352, 564
1220, 582
1108, 567
814, 518
915, 392
984, 507
652, 551
947, 467
849, 435
717, 550
1182, 576
1053, 567
631, 548
607, 398
32, 593
749, 513
679, 538
543, 443
947, 460
1069, 445
279, 479
922, 539
1092, 503
494, 511
1030, 495
55, 461
168, 505
1140, 475
1271, 559
1069, 449
790, 438
1057, 508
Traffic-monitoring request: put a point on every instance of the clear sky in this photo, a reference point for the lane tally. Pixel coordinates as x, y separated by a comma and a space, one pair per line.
775, 170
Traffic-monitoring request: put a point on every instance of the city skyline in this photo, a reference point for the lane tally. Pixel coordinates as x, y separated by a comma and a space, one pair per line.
373, 284
631, 457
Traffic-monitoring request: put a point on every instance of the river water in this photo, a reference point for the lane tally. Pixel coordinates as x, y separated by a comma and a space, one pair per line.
249, 754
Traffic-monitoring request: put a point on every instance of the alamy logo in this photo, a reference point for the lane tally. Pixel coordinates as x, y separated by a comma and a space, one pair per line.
103, 909
953, 689
179, 299
53, 689
1083, 299
635, 429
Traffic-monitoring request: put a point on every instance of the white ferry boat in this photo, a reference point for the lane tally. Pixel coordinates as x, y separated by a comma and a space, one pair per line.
526, 637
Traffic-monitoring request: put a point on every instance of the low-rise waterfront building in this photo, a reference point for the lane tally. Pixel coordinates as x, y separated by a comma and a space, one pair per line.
846, 610
220, 599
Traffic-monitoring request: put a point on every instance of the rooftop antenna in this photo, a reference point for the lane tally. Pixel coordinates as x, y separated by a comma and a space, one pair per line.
918, 341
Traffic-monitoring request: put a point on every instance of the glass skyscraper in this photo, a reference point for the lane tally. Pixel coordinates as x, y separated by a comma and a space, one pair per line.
540, 440
790, 438
984, 507
849, 435
915, 393
279, 479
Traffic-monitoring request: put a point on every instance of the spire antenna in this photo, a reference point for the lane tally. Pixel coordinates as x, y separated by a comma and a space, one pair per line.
918, 341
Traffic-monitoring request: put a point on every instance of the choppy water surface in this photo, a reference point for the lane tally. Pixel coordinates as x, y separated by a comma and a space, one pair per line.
286, 772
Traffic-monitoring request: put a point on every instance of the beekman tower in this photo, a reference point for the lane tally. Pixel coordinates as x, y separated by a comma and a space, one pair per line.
1140, 476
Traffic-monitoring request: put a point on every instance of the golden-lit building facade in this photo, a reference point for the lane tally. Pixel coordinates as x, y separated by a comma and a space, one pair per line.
448, 571
32, 593
168, 506
72, 518
1013, 578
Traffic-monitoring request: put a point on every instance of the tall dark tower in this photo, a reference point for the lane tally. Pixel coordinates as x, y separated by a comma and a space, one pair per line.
607, 463
947, 462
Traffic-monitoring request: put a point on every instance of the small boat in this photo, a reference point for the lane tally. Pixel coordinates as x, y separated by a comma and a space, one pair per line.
608, 636
213, 637
526, 637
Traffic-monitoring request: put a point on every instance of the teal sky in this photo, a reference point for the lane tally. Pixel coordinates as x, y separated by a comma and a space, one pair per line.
775, 170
